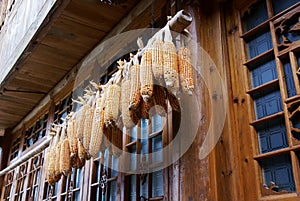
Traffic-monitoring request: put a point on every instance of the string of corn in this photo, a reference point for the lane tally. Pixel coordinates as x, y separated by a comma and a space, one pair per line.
65, 160
171, 66
97, 129
72, 137
157, 59
135, 95
57, 152
88, 123
185, 70
80, 118
146, 76
125, 100
112, 103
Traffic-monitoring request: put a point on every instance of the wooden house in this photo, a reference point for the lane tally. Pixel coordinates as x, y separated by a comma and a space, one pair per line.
249, 62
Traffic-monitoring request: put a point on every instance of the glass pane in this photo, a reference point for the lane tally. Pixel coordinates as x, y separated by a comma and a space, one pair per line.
77, 196
156, 123
95, 193
113, 191
157, 184
144, 186
272, 136
280, 5
96, 177
114, 171
78, 176
290, 85
259, 43
267, 103
263, 72
132, 150
132, 188
255, 15
278, 169
157, 148
144, 136
133, 134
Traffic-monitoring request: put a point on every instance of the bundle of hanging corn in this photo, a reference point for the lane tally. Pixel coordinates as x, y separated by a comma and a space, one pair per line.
97, 137
65, 160
146, 76
186, 70
170, 63
52, 157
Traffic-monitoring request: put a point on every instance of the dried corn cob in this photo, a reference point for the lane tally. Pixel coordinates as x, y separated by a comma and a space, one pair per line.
112, 104
125, 99
160, 100
65, 161
146, 76
80, 117
51, 165
157, 59
171, 66
72, 137
185, 70
57, 152
135, 95
97, 129
88, 123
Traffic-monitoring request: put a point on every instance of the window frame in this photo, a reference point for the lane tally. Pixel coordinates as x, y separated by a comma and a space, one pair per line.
279, 56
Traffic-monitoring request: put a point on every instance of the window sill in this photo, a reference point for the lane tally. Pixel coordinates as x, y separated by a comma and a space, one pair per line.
283, 197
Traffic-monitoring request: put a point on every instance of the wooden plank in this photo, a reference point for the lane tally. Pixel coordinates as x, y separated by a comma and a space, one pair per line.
69, 41
95, 14
80, 29
52, 56
44, 82
43, 70
27, 85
